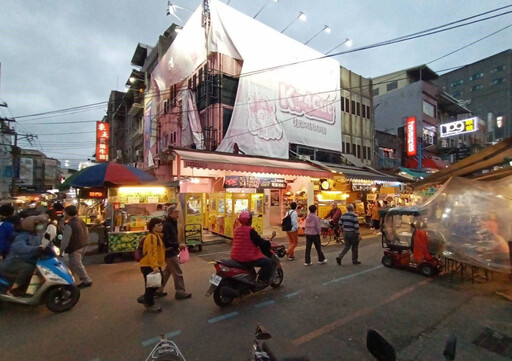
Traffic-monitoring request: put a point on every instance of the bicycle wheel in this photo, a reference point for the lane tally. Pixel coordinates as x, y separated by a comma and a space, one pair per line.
326, 237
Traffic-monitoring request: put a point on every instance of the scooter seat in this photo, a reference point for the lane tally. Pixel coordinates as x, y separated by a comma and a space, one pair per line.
233, 263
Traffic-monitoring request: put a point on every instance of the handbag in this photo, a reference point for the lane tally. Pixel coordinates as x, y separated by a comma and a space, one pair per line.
154, 280
184, 255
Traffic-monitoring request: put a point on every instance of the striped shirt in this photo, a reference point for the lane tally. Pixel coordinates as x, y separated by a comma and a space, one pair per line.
349, 222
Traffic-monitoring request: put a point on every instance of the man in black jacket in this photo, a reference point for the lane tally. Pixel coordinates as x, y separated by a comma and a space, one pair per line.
172, 250
75, 237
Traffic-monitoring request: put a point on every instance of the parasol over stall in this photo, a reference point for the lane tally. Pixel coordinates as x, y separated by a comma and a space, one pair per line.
107, 174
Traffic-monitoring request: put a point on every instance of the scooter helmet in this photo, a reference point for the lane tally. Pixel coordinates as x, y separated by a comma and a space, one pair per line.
245, 218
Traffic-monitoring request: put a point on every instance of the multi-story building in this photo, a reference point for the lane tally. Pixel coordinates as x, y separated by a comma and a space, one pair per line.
485, 87
408, 105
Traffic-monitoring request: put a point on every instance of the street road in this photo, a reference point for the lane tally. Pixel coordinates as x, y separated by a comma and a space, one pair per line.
324, 310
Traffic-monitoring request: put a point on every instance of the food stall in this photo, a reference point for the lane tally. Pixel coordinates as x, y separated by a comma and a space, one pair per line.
131, 210
92, 203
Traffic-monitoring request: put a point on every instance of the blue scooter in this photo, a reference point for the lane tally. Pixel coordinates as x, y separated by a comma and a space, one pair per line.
51, 283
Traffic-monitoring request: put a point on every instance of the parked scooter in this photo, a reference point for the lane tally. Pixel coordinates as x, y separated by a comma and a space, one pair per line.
382, 350
233, 279
165, 350
51, 283
267, 348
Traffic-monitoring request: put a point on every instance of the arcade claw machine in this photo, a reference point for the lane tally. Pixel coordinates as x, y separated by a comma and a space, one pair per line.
194, 220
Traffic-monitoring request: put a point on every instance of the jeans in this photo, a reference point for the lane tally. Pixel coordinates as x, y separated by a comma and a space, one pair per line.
77, 267
172, 267
293, 238
310, 240
351, 241
266, 267
149, 293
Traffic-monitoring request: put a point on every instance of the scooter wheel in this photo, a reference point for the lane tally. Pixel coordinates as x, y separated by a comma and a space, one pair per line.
387, 261
62, 298
278, 279
220, 299
427, 270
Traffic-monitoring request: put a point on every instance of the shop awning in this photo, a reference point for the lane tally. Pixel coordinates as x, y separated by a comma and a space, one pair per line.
426, 163
413, 174
248, 163
353, 173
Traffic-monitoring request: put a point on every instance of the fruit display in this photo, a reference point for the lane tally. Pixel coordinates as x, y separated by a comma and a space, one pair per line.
124, 241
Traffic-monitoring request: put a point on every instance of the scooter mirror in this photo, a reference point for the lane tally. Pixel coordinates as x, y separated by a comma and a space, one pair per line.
379, 347
273, 234
450, 347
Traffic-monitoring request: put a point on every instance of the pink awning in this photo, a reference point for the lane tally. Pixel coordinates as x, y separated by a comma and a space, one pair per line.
248, 163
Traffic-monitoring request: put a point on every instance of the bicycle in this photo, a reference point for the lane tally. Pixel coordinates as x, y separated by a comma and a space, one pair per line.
328, 234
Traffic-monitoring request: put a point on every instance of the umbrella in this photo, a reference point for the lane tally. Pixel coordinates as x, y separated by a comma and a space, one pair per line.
107, 174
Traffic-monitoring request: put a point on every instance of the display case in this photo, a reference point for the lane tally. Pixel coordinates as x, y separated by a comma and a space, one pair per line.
194, 220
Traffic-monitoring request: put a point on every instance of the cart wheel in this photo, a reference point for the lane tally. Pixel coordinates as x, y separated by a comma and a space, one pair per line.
109, 258
427, 270
387, 261
200, 247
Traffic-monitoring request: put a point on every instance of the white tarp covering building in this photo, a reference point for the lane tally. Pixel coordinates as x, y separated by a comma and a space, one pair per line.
286, 94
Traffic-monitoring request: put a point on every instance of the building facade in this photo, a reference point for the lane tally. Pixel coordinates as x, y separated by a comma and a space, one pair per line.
485, 87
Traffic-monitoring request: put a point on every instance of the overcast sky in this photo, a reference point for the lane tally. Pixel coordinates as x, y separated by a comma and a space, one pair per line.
63, 54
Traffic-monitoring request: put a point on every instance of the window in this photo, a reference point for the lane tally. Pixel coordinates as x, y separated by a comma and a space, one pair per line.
342, 104
497, 81
376, 92
363, 110
457, 94
364, 153
358, 109
477, 87
369, 153
392, 85
368, 112
456, 83
497, 69
358, 151
476, 76
429, 109
166, 106
353, 149
353, 108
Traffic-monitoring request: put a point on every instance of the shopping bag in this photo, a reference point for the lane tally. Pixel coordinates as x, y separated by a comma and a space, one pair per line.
154, 280
184, 255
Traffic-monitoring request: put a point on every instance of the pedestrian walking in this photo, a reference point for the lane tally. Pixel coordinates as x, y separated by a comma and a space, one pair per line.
293, 233
172, 250
75, 237
376, 216
312, 231
352, 235
152, 261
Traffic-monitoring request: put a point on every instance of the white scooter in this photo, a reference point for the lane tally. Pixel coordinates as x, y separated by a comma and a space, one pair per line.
165, 350
51, 283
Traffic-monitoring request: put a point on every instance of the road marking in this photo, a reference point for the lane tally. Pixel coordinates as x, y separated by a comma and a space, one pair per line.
293, 294
362, 312
153, 340
223, 317
352, 275
266, 303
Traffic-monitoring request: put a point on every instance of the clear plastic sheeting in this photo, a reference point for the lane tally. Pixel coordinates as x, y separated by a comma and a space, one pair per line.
466, 220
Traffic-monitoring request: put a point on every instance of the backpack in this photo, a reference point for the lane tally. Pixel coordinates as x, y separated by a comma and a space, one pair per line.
286, 224
138, 254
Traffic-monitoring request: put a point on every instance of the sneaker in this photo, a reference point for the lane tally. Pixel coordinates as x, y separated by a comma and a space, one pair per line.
291, 258
154, 308
85, 285
338, 261
307, 263
356, 262
182, 295
160, 294
323, 262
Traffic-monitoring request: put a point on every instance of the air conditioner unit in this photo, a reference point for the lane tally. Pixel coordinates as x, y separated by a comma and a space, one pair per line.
304, 157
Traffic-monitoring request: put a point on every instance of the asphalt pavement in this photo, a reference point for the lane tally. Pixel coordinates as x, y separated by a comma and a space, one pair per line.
322, 310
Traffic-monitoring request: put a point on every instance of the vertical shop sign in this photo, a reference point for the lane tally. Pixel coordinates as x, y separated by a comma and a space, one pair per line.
102, 141
411, 136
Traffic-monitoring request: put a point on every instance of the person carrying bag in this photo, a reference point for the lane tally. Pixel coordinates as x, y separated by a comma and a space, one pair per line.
151, 264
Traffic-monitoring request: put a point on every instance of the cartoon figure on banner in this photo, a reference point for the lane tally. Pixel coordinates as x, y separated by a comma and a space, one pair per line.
262, 118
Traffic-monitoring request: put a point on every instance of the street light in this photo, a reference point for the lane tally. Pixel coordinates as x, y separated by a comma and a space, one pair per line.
263, 7
347, 41
325, 29
301, 16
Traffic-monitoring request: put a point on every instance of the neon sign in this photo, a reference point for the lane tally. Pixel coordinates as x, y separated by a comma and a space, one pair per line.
102, 141
411, 136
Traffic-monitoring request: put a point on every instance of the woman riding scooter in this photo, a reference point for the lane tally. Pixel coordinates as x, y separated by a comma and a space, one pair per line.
247, 248
22, 258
